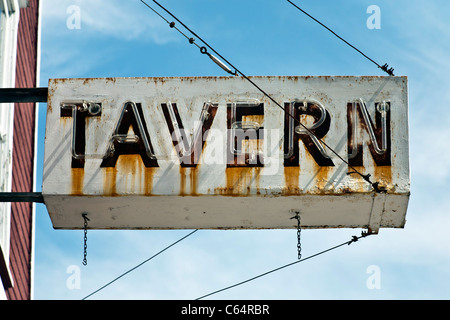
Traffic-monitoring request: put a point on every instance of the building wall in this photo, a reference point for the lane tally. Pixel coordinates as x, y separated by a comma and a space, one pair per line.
23, 162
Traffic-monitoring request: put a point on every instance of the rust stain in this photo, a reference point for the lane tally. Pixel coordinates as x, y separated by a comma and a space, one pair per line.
383, 175
110, 79
291, 180
182, 181
130, 168
257, 178
50, 100
259, 118
193, 180
322, 178
360, 186
234, 178
239, 181
64, 121
129, 163
192, 172
149, 174
109, 181
77, 176
131, 174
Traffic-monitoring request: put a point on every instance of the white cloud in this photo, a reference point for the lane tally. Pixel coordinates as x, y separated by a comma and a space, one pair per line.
124, 20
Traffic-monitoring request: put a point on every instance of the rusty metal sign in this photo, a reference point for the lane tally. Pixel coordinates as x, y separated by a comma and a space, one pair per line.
214, 152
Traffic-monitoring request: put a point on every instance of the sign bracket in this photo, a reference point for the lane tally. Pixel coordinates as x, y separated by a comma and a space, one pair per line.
22, 95
12, 95
21, 197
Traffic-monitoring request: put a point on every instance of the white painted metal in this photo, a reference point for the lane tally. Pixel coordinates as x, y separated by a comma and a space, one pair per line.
131, 196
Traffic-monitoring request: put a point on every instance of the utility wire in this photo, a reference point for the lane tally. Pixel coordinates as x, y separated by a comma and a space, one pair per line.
382, 67
203, 50
134, 268
171, 24
354, 239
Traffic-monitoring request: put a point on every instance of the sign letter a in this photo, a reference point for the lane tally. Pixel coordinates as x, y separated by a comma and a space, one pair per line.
122, 142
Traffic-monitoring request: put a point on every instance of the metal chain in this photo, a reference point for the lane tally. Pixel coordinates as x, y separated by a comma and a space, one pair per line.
299, 230
86, 219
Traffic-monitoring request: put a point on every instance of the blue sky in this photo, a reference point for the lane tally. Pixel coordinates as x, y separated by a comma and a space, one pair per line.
125, 39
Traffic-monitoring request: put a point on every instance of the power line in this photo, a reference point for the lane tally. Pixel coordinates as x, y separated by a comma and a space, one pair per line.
203, 50
140, 264
192, 41
171, 24
354, 239
382, 67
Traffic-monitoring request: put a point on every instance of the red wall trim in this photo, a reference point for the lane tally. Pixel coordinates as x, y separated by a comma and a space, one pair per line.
23, 155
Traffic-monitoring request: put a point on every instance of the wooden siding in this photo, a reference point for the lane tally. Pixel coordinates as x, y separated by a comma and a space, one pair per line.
23, 155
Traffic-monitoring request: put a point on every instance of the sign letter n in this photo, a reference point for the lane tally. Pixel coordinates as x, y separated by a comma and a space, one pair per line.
359, 120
